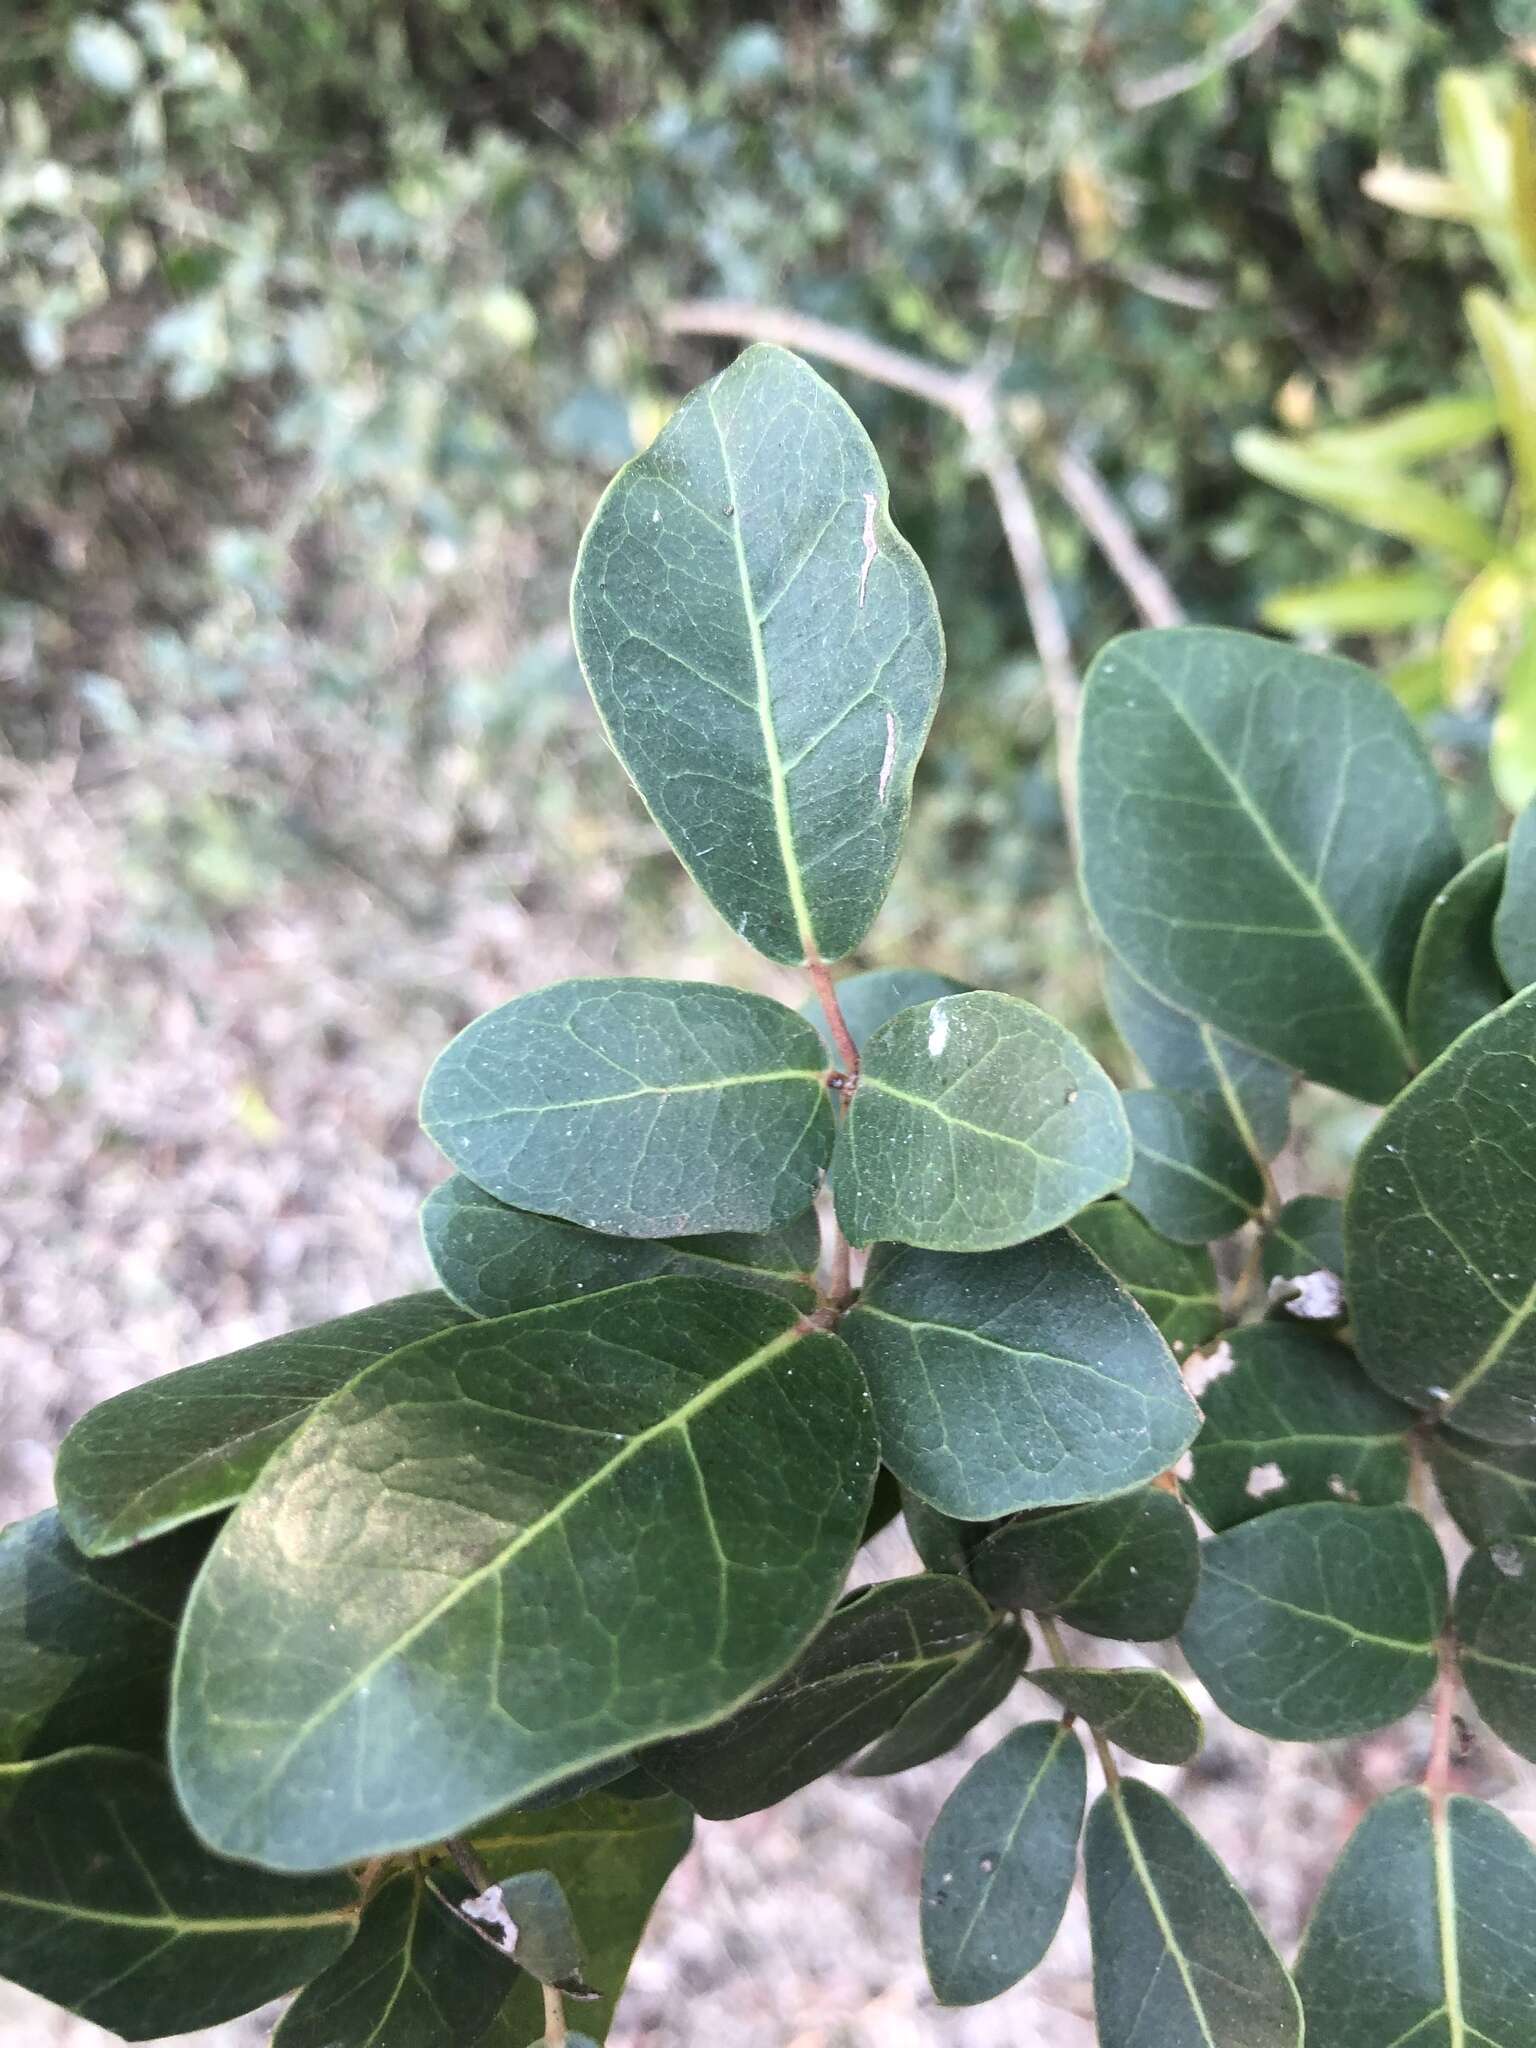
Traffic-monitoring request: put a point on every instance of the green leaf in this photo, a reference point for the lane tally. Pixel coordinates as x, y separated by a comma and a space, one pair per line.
86, 1643
999, 1862
111, 1906
645, 1108
1014, 1379
1306, 1237
879, 1653
590, 1526
1123, 1568
1193, 1179
869, 1000
190, 1443
1295, 1420
978, 1122
980, 1680
1423, 1932
1368, 601
1180, 1053
764, 650
1441, 1231
1174, 1283
1144, 1712
1318, 1621
1489, 1489
1179, 1961
1378, 495
1456, 979
1495, 1622
612, 1856
527, 1917
497, 1261
1262, 834
1514, 922
415, 1977
943, 1544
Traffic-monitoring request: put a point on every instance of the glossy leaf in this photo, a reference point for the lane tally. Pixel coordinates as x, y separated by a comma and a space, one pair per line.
1441, 1232
1014, 1379
764, 650
1306, 1237
1514, 922
563, 1562
1423, 1932
497, 1261
1489, 1489
1174, 1283
1143, 1712
1123, 1568
1295, 1420
1192, 1180
190, 1443
415, 1977
869, 1000
999, 1862
1318, 1621
1181, 1053
1456, 978
644, 1108
1179, 1961
111, 1906
878, 1654
1495, 1621
980, 1680
1262, 834
86, 1643
978, 1122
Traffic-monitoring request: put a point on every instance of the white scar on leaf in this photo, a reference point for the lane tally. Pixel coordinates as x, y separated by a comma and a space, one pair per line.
870, 549
890, 754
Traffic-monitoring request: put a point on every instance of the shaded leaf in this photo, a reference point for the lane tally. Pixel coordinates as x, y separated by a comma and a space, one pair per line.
190, 1443
764, 650
528, 1918
999, 1862
1423, 1932
1514, 922
1182, 1054
1142, 1711
869, 1000
1123, 1568
1175, 1283
876, 1656
1495, 1621
1014, 1379
563, 1563
980, 1680
1488, 1489
1262, 834
111, 1906
1456, 978
943, 1544
1295, 1420
496, 1261
1179, 1960
1318, 1621
645, 1108
978, 1122
1441, 1232
1306, 1237
1193, 1179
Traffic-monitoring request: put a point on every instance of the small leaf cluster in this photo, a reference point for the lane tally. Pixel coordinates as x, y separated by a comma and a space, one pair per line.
393, 1659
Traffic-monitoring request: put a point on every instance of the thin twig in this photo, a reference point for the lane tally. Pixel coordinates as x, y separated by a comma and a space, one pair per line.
474, 1871
837, 1287
740, 320
1051, 1635
1088, 495
832, 1010
555, 2034
1141, 93
1437, 1772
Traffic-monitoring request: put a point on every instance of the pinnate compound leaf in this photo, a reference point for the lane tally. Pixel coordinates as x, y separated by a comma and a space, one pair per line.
589, 1527
111, 1906
765, 652
190, 1443
978, 1122
877, 1655
497, 1261
1295, 1420
643, 1108
869, 1000
1175, 1283
980, 1680
1318, 1621
1441, 1231
1514, 922
86, 1644
1123, 1568
1495, 1618
1193, 1179
1262, 834
1184, 1055
1489, 1489
1423, 1932
1141, 1711
415, 1977
999, 1862
1015, 1379
1456, 978
1306, 1237
1179, 1960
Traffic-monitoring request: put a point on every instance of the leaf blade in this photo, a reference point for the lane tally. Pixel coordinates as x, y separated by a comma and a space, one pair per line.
1124, 1568
1193, 1179
1456, 978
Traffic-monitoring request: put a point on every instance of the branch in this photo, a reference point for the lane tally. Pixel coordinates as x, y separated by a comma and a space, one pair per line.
1088, 495
739, 320
1142, 93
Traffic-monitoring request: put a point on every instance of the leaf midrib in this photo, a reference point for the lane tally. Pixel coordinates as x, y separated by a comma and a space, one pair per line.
176, 1923
1014, 1351
993, 1877
717, 1085
1361, 1635
1164, 1924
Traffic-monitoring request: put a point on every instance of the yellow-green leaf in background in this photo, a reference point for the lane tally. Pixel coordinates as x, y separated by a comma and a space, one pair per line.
1370, 601
1384, 499
1507, 341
